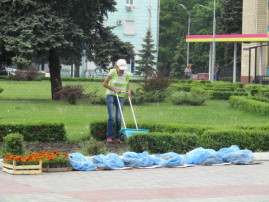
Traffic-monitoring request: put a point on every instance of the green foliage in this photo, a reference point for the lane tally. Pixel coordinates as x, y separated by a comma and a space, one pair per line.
58, 161
184, 98
163, 142
1, 90
266, 94
249, 105
108, 48
93, 147
14, 144
156, 95
43, 132
255, 140
251, 127
261, 99
198, 90
57, 30
146, 64
138, 98
98, 129
225, 95
231, 23
156, 82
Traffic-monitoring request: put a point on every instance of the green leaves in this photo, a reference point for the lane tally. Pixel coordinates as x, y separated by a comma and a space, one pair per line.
146, 63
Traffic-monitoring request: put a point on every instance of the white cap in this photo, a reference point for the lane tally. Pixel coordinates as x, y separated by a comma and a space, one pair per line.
122, 64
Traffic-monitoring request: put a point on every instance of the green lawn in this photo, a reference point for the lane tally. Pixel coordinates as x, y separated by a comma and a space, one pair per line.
39, 89
77, 117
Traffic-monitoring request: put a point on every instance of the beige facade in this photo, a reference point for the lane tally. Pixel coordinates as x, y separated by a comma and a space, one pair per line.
254, 21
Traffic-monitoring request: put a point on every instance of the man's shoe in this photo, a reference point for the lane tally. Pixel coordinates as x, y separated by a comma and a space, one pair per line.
109, 139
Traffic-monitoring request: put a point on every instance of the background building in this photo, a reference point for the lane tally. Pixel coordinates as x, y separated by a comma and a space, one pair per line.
254, 21
131, 21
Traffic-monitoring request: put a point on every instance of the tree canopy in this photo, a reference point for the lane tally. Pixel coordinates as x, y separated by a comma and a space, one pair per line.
174, 27
56, 29
146, 63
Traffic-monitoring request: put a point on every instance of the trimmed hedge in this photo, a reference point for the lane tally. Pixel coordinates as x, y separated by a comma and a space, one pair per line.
249, 105
255, 140
163, 142
98, 128
225, 95
263, 127
183, 138
43, 132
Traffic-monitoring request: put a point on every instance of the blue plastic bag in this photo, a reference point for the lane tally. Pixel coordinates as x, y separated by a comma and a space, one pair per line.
80, 162
202, 156
132, 159
168, 159
224, 151
109, 161
241, 156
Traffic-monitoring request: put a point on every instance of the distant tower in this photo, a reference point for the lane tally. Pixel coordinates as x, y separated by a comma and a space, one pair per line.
254, 21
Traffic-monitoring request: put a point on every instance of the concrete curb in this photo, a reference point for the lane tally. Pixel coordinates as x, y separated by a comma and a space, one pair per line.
261, 156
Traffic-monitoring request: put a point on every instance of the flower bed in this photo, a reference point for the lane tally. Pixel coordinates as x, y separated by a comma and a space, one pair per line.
46, 161
23, 169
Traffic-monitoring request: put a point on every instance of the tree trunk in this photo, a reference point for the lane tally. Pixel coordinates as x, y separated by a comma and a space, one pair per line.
76, 70
55, 75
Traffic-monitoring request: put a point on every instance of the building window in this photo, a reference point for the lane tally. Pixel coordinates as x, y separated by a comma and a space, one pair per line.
129, 5
129, 27
130, 2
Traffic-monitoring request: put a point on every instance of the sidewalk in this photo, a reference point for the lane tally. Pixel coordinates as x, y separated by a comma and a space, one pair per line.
199, 183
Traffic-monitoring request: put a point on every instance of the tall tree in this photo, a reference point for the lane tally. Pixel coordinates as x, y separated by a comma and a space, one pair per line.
231, 24
173, 31
146, 62
52, 28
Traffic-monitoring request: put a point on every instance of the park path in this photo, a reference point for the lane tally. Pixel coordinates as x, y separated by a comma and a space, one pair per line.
198, 183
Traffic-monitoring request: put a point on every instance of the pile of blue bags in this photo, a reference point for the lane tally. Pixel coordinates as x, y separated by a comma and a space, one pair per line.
197, 156
228, 154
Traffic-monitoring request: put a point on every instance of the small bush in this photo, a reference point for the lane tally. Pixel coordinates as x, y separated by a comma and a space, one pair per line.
98, 129
157, 82
93, 147
14, 144
1, 90
27, 74
183, 98
72, 93
137, 97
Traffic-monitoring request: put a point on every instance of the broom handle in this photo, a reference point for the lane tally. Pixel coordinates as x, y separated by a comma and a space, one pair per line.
133, 112
121, 110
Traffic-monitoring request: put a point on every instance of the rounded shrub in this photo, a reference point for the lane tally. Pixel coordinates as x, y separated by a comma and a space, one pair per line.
14, 144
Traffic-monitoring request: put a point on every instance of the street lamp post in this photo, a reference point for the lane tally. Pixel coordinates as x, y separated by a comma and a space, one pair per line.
189, 23
214, 44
